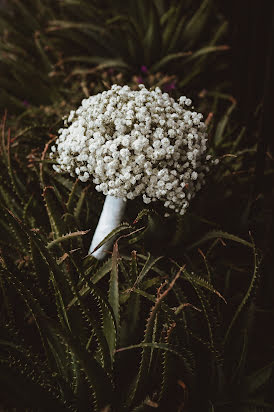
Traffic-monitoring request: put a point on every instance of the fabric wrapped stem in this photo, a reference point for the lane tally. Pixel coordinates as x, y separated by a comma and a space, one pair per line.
111, 216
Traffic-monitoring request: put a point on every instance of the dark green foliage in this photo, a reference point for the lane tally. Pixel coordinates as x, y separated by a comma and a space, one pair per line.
55, 42
143, 337
178, 317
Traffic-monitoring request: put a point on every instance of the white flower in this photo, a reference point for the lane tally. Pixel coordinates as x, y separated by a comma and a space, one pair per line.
136, 143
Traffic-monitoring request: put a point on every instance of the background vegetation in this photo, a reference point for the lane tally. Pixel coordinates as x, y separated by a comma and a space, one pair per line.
179, 316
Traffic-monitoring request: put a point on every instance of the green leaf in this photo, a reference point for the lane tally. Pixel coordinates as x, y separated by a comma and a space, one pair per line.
54, 211
153, 36
62, 311
205, 306
206, 50
32, 303
37, 241
100, 62
42, 269
154, 345
63, 24
40, 41
96, 375
72, 196
194, 27
78, 211
176, 31
133, 317
15, 230
259, 378
141, 381
150, 262
94, 321
106, 312
169, 58
17, 185
28, 392
196, 280
102, 271
27, 15
66, 237
113, 294
219, 234
247, 294
169, 22
114, 232
133, 266
219, 134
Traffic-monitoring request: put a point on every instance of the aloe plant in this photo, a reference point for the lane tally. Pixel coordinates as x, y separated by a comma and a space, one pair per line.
178, 318
57, 42
137, 331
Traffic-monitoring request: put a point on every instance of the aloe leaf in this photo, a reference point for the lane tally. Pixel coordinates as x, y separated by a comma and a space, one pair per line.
100, 382
33, 305
150, 262
108, 321
15, 181
139, 12
205, 308
37, 241
54, 211
247, 294
133, 316
72, 196
133, 266
66, 237
153, 36
56, 25
100, 62
61, 354
7, 199
62, 311
155, 345
15, 230
195, 25
167, 59
219, 134
78, 210
177, 30
169, 22
114, 232
206, 50
26, 208
219, 234
241, 361
48, 65
141, 380
21, 357
27, 15
42, 269
191, 75
94, 321
113, 293
3, 140
28, 392
196, 280
259, 378
103, 270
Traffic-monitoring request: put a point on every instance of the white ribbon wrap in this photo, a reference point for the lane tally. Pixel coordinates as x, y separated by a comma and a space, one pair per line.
110, 218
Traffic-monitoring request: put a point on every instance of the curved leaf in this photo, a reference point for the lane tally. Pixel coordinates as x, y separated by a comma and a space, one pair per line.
219, 234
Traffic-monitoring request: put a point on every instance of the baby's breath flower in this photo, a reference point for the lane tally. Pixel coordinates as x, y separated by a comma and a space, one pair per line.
136, 143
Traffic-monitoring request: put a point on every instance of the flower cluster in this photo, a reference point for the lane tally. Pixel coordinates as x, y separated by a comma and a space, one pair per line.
132, 143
